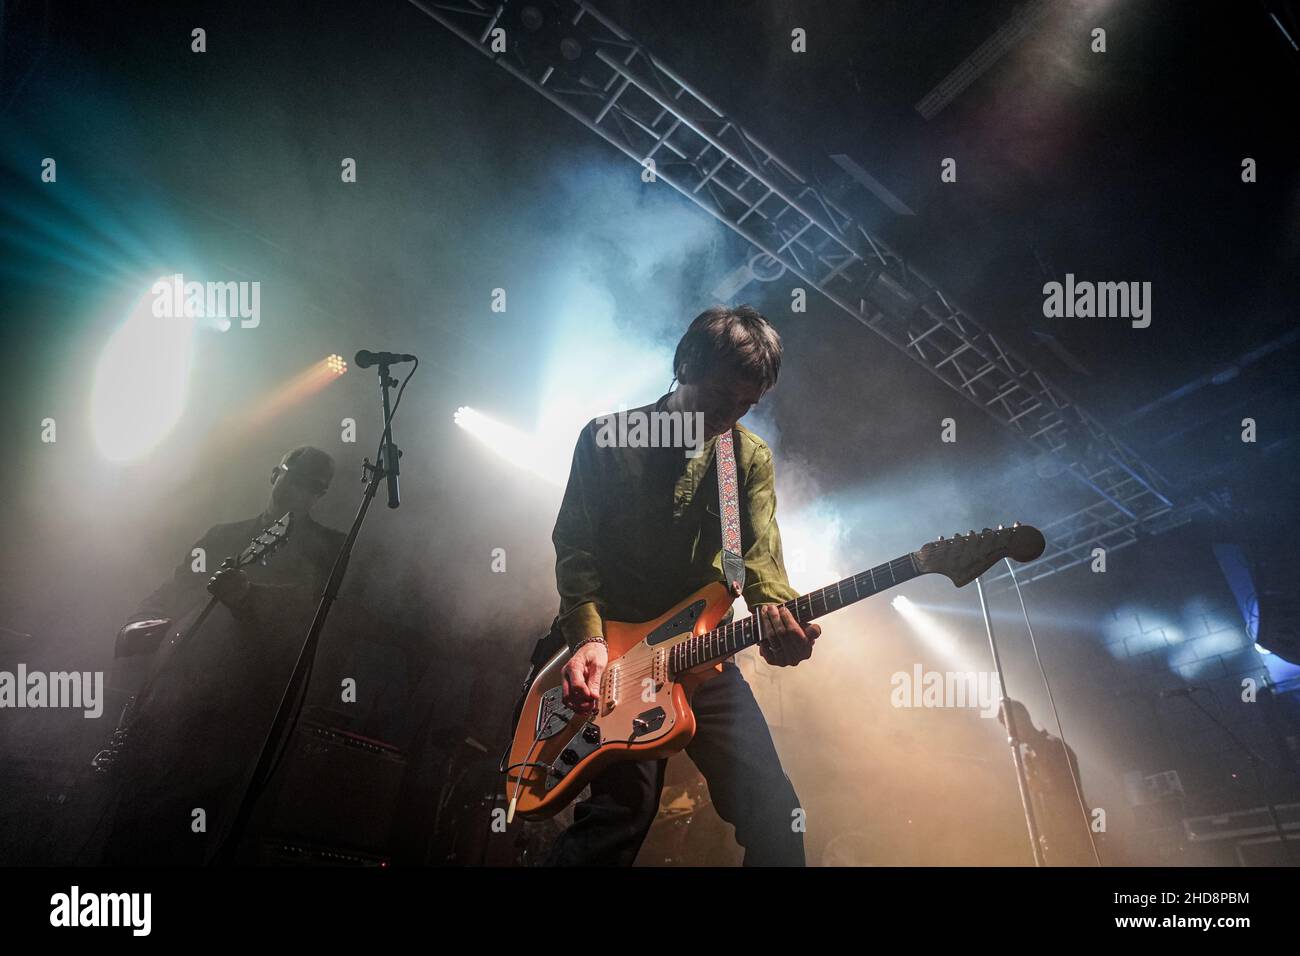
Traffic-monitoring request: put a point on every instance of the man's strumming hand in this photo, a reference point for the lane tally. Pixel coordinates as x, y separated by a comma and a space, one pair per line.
582, 677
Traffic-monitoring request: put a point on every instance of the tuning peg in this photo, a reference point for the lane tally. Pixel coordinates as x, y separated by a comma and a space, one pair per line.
940, 537
999, 527
971, 532
1015, 524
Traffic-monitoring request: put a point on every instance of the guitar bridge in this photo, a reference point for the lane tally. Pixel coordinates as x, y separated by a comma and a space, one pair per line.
611, 687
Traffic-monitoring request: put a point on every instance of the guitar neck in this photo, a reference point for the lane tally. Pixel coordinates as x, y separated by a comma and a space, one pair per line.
713, 646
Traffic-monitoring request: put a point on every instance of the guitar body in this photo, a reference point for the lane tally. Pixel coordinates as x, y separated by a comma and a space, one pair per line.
644, 713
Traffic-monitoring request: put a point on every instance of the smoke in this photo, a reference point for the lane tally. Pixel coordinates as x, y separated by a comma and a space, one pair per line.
600, 273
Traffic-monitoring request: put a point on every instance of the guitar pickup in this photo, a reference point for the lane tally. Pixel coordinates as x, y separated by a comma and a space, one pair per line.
659, 668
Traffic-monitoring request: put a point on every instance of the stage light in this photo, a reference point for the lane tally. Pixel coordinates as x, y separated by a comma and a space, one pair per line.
1011, 615
570, 49
935, 635
515, 446
531, 18
294, 391
140, 382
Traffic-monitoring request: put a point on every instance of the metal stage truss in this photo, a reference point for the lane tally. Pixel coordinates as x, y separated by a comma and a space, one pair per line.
586, 65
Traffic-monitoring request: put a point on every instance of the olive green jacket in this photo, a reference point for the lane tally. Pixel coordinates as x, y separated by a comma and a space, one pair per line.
638, 530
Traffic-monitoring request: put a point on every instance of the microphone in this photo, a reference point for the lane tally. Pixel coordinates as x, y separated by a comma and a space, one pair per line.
366, 359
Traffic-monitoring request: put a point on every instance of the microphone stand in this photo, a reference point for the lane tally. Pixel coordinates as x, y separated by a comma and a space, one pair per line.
1013, 738
291, 701
388, 458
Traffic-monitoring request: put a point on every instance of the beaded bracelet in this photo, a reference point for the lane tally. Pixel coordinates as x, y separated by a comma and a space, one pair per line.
588, 641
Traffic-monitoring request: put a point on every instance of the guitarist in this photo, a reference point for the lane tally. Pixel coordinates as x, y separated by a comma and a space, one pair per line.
297, 483
637, 530
1052, 772
213, 699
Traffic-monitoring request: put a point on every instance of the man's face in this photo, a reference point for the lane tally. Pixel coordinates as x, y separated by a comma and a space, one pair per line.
290, 492
724, 398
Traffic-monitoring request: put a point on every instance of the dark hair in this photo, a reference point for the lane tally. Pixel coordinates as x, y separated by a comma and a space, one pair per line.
739, 339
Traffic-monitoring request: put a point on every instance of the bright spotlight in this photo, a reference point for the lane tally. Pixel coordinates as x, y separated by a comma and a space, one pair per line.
517, 447
934, 635
140, 381
336, 364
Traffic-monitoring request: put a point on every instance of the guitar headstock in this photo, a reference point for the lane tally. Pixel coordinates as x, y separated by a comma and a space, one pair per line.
964, 557
268, 541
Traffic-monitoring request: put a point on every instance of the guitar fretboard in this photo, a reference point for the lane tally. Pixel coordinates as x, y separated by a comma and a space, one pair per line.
728, 639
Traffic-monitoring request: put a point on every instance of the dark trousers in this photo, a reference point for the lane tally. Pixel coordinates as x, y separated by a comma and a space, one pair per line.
733, 749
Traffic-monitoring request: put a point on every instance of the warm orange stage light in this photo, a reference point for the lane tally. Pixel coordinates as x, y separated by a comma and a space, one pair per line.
303, 385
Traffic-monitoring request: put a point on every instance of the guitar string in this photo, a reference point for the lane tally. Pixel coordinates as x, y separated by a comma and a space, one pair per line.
643, 671
712, 637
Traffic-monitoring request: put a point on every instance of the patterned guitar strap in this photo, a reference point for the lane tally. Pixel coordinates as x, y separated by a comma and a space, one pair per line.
733, 559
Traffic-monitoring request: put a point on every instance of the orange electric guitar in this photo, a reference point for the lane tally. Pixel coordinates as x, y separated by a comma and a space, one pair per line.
644, 710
